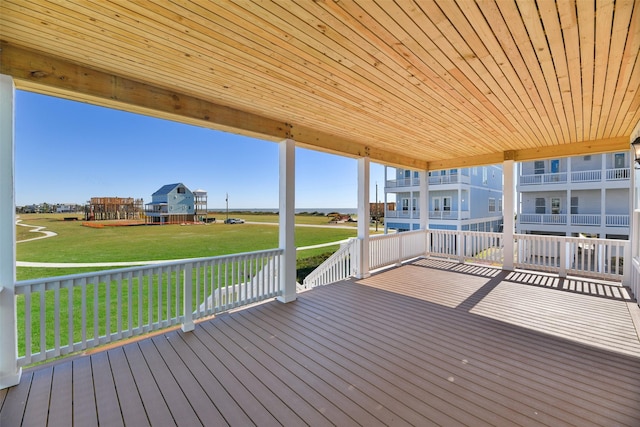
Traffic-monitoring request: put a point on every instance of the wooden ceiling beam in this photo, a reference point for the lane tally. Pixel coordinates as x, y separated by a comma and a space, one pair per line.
43, 74
608, 145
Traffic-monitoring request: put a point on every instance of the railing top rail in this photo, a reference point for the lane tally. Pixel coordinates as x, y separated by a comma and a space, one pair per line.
169, 263
572, 239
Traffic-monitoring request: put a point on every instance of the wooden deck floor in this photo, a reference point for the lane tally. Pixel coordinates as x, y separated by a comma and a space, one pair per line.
430, 343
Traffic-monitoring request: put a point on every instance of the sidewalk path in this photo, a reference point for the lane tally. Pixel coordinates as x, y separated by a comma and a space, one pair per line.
36, 229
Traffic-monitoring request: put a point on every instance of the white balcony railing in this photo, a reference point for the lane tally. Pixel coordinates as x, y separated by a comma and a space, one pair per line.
66, 314
449, 179
543, 178
547, 219
585, 219
339, 266
620, 174
592, 258
586, 176
593, 220
617, 220
403, 182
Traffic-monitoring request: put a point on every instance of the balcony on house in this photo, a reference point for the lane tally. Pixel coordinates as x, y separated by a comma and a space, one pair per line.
597, 170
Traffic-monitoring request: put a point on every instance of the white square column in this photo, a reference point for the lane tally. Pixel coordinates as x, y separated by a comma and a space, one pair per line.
287, 220
508, 212
424, 200
9, 371
363, 215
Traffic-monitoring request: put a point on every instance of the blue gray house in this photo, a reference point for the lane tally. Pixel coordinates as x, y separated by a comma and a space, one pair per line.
172, 203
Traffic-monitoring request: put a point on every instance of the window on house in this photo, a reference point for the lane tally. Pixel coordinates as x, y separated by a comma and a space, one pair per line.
555, 205
500, 205
181, 190
618, 159
541, 207
492, 204
555, 166
474, 171
414, 206
485, 179
586, 158
446, 203
405, 204
436, 204
538, 167
574, 205
407, 174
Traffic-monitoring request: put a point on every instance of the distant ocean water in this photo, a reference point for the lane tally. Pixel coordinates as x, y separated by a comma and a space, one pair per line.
348, 211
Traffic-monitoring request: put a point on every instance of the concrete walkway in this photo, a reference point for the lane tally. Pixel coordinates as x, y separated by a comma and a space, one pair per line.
36, 229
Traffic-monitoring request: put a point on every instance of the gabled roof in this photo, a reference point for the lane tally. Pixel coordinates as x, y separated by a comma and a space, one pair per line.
166, 189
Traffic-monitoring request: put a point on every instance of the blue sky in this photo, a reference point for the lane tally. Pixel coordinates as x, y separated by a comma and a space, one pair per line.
68, 152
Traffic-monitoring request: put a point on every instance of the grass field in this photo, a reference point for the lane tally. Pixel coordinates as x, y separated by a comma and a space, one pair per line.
79, 244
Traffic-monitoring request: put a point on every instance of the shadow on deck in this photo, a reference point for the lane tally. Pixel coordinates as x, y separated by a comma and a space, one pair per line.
422, 344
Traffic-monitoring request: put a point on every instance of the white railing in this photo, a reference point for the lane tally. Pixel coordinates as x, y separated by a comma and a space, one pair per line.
597, 258
619, 174
401, 214
339, 266
62, 315
466, 246
617, 220
546, 178
586, 219
586, 176
549, 219
392, 249
403, 182
449, 179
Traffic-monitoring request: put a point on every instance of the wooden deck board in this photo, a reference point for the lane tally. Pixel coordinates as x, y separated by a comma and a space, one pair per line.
36, 413
423, 344
107, 403
60, 404
133, 411
84, 402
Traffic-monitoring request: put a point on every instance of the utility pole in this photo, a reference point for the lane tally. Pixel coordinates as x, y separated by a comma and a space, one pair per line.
227, 200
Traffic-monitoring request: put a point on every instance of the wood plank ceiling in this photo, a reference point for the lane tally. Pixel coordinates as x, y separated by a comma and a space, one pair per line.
423, 84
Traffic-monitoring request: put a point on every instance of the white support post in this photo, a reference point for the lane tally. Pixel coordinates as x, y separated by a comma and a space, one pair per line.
424, 200
508, 191
187, 298
287, 219
363, 216
10, 373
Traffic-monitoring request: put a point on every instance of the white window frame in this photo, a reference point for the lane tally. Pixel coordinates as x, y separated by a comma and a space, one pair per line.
492, 204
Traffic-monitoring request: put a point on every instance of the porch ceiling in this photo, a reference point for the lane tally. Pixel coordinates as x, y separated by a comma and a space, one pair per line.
428, 84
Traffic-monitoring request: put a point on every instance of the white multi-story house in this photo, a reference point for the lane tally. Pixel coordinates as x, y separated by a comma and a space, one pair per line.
459, 199
573, 196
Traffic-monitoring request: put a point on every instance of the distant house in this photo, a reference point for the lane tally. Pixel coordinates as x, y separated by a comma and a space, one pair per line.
172, 203
468, 199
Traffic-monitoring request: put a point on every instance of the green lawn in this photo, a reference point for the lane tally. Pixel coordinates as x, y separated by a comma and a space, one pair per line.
77, 243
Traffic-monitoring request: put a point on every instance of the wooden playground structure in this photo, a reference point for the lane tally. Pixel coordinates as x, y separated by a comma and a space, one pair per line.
114, 208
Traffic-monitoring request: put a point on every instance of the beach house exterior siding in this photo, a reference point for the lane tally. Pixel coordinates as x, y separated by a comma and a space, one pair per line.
458, 199
171, 203
573, 196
